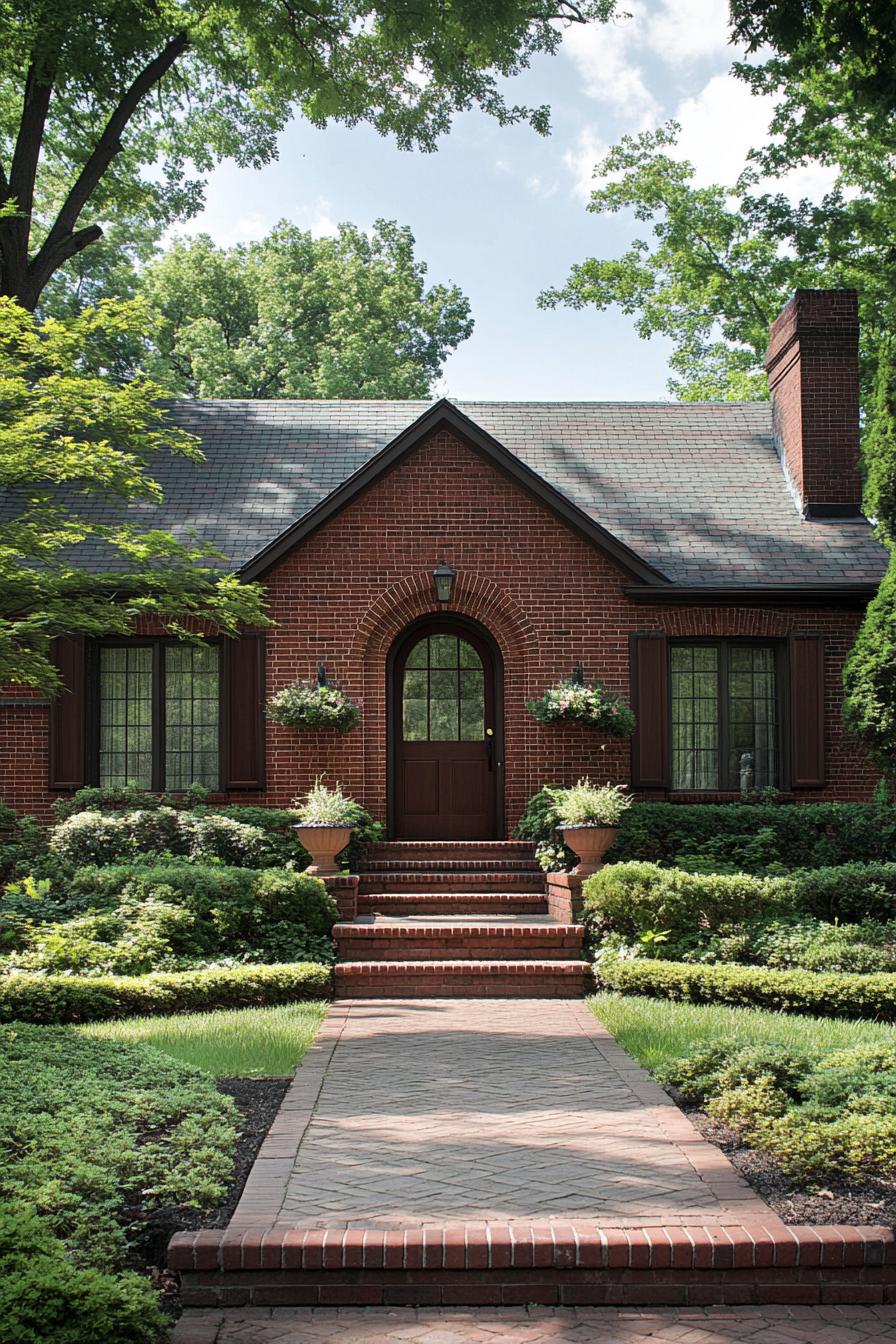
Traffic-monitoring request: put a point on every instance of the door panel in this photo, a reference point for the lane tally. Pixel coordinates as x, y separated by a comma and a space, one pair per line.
444, 703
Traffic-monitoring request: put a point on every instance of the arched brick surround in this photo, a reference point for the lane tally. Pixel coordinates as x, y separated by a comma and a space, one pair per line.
474, 596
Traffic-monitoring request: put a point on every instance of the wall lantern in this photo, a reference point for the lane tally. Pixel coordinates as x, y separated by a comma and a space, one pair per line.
443, 579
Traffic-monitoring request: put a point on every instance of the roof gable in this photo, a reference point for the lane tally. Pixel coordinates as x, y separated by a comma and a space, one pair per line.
444, 415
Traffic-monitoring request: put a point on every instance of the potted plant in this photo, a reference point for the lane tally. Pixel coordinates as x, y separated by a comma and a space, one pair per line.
316, 704
589, 817
326, 821
575, 701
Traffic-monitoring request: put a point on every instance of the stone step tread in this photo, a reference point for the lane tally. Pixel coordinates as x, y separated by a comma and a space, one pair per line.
436, 923
492, 966
456, 925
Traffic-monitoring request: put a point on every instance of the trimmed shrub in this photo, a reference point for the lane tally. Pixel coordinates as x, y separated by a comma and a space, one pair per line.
268, 914
68, 998
636, 898
738, 837
108, 837
820, 994
850, 892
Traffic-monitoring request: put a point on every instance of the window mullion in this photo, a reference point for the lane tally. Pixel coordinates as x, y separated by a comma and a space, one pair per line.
723, 777
158, 716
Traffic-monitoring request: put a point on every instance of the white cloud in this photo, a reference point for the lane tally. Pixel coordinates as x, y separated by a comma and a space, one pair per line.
603, 55
682, 32
317, 217
722, 123
581, 159
719, 126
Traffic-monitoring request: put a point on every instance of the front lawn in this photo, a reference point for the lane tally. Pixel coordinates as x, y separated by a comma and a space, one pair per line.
657, 1033
248, 1043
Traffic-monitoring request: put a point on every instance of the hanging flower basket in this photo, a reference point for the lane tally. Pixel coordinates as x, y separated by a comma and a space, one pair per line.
304, 705
574, 701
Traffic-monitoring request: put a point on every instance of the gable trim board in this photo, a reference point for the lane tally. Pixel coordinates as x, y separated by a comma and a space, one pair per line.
443, 415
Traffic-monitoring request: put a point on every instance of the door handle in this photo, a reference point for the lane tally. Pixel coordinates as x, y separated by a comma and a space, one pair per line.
489, 746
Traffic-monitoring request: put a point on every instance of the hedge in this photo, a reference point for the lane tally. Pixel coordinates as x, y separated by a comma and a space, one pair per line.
751, 836
66, 998
828, 994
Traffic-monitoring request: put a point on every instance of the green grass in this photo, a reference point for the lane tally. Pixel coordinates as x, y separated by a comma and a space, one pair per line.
244, 1042
656, 1030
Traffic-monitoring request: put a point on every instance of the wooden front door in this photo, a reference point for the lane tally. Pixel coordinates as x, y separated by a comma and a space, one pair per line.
445, 739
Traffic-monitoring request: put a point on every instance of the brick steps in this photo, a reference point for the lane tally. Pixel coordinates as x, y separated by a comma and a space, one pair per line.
460, 978
450, 866
438, 850
395, 940
473, 880
439, 902
517, 1263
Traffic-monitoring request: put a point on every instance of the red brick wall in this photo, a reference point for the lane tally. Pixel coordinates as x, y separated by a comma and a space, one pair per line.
548, 598
813, 369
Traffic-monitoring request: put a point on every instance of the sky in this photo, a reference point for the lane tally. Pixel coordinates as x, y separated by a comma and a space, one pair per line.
501, 211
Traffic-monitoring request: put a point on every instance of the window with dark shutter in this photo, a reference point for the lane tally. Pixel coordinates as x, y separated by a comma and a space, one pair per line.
725, 711
67, 758
157, 715
243, 725
650, 701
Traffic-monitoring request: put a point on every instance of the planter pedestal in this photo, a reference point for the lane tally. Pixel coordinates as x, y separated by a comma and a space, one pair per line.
344, 890
565, 897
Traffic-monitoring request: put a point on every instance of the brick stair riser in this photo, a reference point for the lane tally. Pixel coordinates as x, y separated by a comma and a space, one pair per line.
562, 943
450, 850
465, 1266
476, 905
470, 881
476, 980
449, 866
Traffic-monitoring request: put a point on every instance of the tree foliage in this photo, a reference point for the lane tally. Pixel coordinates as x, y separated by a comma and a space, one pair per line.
76, 448
721, 261
90, 100
297, 316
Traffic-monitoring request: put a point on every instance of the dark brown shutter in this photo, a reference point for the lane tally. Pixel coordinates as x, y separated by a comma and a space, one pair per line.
243, 735
650, 701
68, 715
807, 711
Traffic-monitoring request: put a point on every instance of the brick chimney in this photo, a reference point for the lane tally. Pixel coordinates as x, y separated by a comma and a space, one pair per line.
812, 364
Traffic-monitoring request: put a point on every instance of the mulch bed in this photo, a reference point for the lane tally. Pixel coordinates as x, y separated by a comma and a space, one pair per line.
869, 1202
258, 1101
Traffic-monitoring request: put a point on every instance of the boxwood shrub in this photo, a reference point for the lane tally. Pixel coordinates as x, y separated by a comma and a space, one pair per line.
69, 998
829, 994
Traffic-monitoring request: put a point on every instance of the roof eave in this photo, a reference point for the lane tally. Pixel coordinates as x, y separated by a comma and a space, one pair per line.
856, 595
443, 412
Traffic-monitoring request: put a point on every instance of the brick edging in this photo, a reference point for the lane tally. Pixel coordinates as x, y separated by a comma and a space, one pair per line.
570, 1247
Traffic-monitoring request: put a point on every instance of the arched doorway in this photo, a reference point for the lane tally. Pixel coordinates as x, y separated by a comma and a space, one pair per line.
446, 757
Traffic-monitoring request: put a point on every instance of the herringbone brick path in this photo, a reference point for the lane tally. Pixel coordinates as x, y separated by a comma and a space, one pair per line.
439, 1111
539, 1325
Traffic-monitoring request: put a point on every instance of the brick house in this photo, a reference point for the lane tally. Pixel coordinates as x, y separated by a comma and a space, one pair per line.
708, 561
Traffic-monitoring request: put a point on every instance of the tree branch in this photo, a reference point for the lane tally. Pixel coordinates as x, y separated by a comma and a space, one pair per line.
61, 241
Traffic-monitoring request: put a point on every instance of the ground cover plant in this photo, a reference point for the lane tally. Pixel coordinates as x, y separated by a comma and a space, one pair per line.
244, 1043
95, 1135
806, 1107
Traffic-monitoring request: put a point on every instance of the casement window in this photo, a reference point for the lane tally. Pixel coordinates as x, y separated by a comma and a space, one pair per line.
157, 715
725, 715
718, 715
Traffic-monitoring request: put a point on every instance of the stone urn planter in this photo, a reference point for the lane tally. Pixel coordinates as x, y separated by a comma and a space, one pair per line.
323, 842
591, 844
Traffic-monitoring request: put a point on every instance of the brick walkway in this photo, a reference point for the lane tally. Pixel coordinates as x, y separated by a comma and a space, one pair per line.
430, 1112
539, 1325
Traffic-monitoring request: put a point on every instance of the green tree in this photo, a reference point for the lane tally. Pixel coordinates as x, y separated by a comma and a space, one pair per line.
91, 99
72, 439
720, 261
297, 316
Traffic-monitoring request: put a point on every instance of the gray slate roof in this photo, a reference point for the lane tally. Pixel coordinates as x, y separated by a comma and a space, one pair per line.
695, 490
